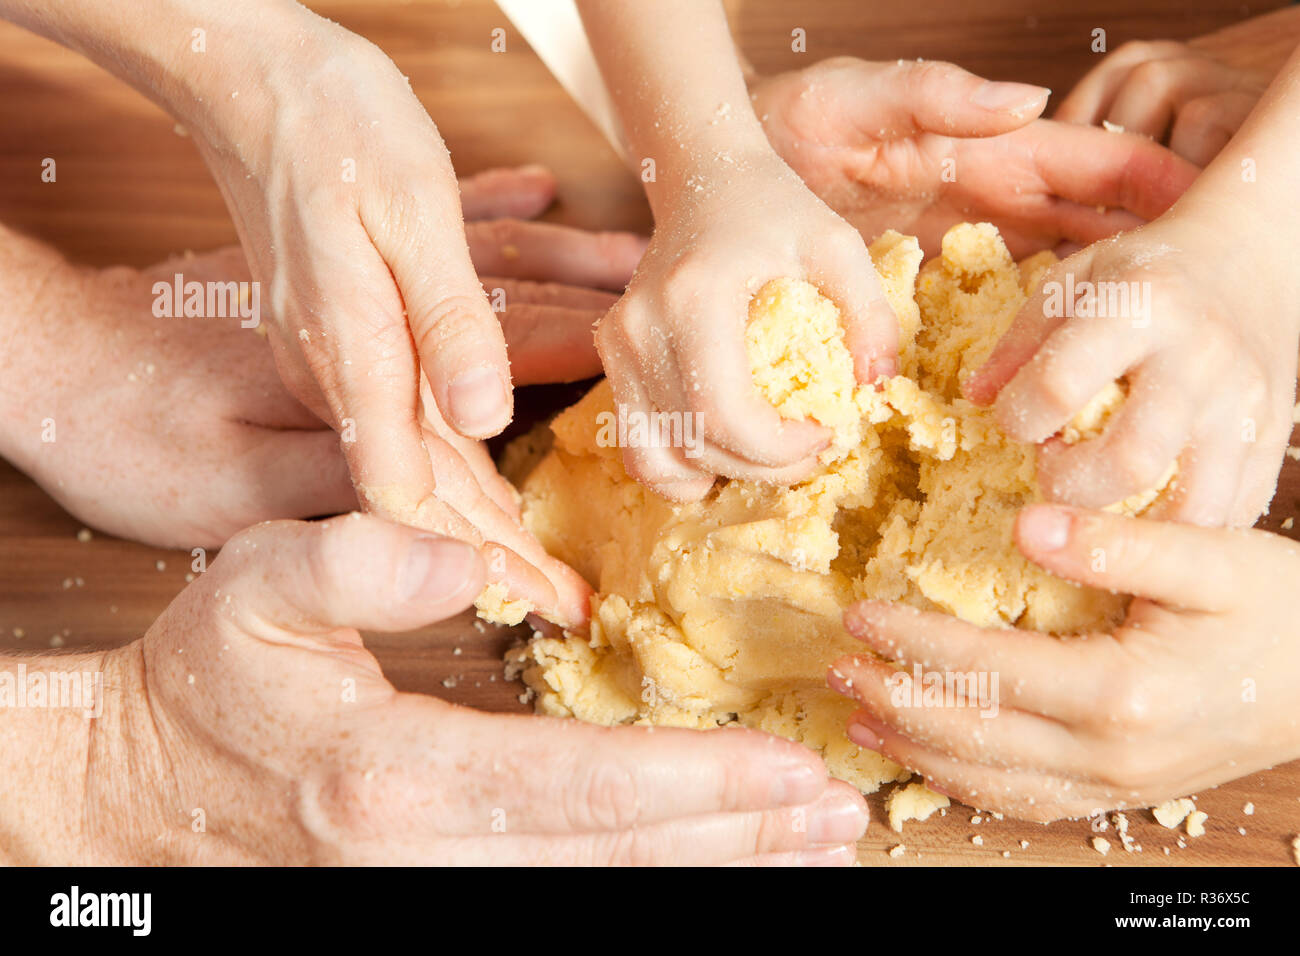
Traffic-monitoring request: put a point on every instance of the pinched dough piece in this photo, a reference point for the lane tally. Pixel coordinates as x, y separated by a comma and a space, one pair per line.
728, 610
916, 801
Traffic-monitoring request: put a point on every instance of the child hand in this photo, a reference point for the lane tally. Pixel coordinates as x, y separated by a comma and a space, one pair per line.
675, 342
1195, 688
919, 147
1210, 362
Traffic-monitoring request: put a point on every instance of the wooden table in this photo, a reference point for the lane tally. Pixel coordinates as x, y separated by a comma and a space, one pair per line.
131, 190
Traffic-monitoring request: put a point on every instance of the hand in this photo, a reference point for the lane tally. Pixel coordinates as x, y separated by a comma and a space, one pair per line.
675, 341
1193, 96
1210, 363
1194, 689
253, 704
178, 432
919, 147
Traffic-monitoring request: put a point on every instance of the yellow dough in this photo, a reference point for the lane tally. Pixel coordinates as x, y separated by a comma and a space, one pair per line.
728, 610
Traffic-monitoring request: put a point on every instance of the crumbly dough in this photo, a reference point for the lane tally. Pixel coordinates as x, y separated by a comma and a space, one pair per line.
728, 610
916, 801
494, 605
1173, 812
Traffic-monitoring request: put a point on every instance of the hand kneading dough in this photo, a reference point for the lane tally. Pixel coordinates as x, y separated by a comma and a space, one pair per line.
728, 610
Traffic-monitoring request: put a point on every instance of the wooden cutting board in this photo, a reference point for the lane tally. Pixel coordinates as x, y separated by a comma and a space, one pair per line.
131, 190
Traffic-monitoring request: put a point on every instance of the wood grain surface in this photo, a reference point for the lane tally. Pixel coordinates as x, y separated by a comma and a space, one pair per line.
131, 190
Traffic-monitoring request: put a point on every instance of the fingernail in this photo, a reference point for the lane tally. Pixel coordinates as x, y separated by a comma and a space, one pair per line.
480, 401
844, 821
883, 366
864, 736
834, 856
435, 568
1044, 528
1009, 97
796, 786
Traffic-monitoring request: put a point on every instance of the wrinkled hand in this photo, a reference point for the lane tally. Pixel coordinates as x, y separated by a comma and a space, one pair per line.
348, 209
675, 342
1210, 364
1197, 687
178, 431
1193, 96
252, 702
919, 147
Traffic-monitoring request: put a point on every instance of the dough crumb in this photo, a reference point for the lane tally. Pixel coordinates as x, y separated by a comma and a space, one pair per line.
897, 851
916, 801
1101, 845
1196, 823
1172, 812
84, 535
1248, 809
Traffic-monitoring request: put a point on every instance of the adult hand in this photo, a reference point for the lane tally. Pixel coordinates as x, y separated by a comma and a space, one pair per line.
252, 704
919, 147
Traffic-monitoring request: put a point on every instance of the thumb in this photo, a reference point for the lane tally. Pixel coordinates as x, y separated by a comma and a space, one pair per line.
353, 571
421, 237
933, 97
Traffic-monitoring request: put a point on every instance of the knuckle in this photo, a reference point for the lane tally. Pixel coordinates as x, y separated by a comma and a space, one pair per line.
605, 797
1139, 462
1153, 76
452, 322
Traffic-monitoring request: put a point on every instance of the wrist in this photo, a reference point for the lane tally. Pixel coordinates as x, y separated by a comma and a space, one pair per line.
130, 794
713, 168
48, 707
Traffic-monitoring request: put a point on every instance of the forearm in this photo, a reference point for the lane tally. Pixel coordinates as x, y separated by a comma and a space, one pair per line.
207, 63
672, 71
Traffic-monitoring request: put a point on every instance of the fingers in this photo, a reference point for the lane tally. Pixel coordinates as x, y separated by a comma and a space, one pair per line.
518, 193
1035, 672
1135, 556
549, 330
1032, 326
1095, 167
833, 823
419, 233
513, 556
1205, 124
1156, 90
603, 779
1074, 363
975, 728
550, 253
930, 97
849, 279
1090, 101
716, 384
288, 474
355, 571
671, 475
1027, 794
1145, 437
